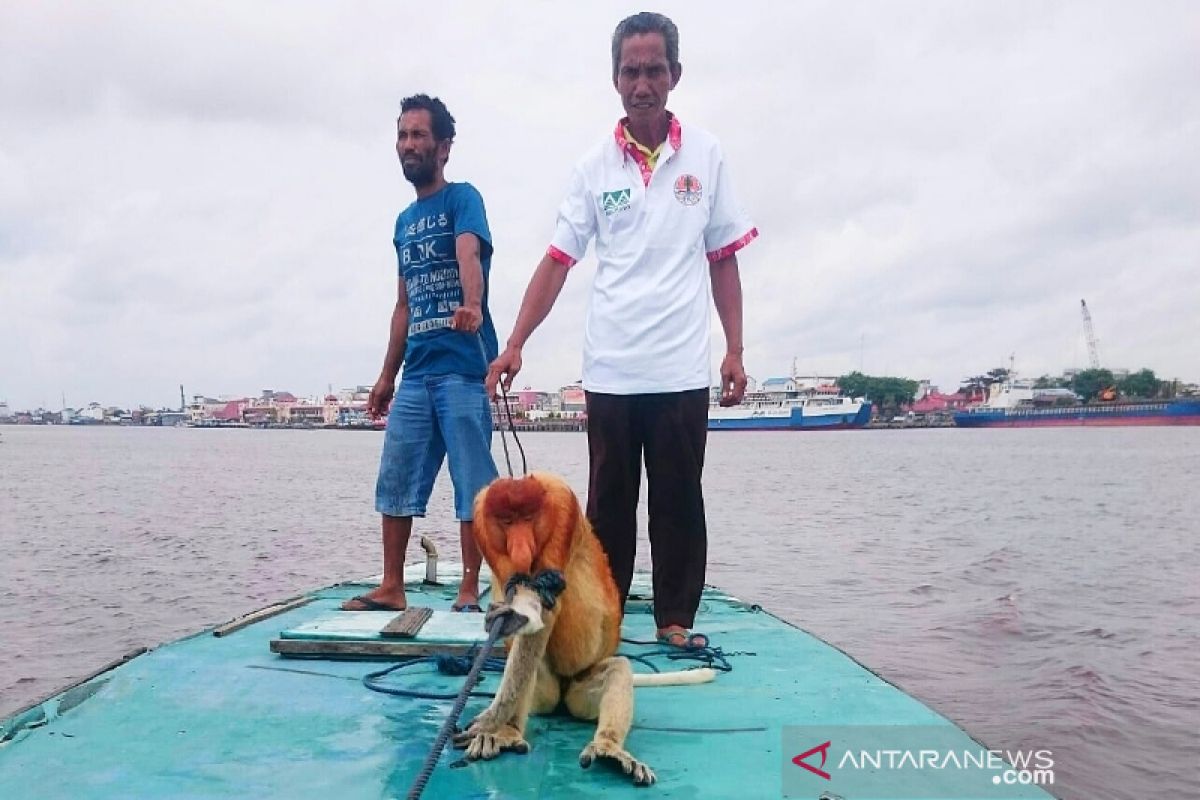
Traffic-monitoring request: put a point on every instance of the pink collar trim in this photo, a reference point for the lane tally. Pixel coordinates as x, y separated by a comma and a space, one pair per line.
629, 149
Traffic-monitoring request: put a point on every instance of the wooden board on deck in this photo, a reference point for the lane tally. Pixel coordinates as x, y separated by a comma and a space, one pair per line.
408, 624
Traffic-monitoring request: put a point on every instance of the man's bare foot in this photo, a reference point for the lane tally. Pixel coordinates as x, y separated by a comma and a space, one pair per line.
378, 600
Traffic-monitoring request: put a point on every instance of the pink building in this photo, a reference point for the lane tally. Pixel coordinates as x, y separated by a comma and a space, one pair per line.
936, 402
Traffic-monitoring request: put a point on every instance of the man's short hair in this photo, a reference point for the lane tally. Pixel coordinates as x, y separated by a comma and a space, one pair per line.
646, 22
443, 123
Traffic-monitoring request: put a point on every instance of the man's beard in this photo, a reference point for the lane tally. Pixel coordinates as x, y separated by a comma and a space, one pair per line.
419, 174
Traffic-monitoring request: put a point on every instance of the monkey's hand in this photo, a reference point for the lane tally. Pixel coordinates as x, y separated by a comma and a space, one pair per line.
510, 619
484, 739
521, 614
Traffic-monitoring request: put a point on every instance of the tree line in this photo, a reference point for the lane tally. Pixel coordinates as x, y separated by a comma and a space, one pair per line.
890, 394
1092, 384
886, 393
1089, 384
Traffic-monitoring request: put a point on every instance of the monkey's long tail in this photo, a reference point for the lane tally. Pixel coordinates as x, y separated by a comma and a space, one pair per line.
460, 702
679, 677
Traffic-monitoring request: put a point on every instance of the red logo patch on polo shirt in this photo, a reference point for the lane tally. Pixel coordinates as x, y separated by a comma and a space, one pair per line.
688, 189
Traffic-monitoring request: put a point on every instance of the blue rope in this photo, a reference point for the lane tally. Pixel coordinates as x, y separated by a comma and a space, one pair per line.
446, 665
642, 660
708, 656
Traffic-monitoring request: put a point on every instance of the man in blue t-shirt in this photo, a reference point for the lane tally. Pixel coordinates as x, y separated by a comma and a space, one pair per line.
442, 333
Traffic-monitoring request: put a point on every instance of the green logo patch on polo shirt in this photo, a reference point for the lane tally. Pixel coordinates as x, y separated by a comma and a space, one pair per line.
612, 202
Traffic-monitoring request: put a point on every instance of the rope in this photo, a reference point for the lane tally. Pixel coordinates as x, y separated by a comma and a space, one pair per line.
446, 665
508, 413
513, 428
460, 701
708, 656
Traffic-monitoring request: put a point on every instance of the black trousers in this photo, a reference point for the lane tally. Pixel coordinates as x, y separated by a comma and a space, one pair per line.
670, 430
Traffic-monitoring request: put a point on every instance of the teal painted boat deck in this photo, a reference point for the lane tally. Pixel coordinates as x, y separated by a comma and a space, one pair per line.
208, 717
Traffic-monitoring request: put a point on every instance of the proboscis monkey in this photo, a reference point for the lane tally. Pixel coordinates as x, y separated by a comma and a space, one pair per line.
537, 541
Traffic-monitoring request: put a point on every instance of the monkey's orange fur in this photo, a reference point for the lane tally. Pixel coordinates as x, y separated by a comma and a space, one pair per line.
565, 652
535, 523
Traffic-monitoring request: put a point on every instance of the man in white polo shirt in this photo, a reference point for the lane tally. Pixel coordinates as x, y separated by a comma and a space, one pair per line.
656, 196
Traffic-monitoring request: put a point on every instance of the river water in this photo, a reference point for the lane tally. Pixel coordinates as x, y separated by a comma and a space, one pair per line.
1039, 587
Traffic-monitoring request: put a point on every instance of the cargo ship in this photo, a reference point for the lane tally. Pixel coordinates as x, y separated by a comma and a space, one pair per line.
1018, 404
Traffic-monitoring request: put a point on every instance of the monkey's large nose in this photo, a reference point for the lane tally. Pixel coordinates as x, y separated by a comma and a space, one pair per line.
520, 547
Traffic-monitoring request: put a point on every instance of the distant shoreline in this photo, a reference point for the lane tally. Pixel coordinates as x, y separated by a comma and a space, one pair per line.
542, 426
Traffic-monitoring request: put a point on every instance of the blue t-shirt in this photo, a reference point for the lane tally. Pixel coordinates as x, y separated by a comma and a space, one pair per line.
425, 235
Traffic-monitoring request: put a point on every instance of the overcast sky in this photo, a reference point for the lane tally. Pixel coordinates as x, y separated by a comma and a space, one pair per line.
204, 193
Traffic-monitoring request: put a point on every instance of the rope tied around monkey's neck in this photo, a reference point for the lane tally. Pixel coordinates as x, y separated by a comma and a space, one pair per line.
548, 583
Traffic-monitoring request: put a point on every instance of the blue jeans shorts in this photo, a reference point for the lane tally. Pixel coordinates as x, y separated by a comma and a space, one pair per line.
433, 417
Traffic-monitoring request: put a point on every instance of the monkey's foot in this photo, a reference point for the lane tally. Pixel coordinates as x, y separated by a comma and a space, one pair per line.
641, 773
487, 744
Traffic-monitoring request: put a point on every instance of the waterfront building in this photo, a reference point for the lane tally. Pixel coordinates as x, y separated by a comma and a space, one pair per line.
572, 402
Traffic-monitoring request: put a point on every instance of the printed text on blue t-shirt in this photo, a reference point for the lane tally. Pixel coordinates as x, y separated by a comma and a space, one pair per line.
430, 274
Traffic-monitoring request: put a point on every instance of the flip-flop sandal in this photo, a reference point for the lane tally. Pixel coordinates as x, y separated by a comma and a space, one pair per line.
691, 641
369, 605
468, 608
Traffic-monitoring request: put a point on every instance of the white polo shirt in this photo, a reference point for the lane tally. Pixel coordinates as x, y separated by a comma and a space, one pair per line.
656, 232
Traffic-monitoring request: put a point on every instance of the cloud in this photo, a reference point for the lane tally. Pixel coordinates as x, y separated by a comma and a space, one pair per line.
205, 193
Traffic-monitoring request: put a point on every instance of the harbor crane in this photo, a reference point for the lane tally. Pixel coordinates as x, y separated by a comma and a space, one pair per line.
1108, 393
1093, 350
